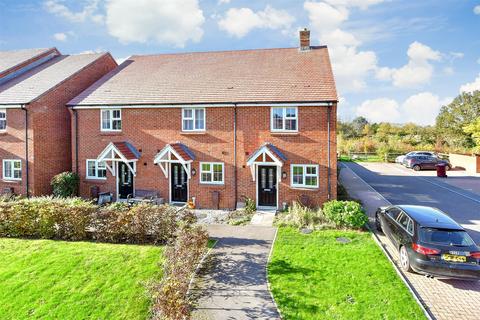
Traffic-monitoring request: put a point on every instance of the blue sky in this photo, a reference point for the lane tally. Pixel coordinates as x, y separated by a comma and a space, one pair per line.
394, 60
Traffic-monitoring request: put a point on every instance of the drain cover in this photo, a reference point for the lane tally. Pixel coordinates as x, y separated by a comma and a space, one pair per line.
306, 231
343, 240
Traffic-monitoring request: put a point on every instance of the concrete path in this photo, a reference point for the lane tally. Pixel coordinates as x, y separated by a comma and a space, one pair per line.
263, 218
232, 283
445, 299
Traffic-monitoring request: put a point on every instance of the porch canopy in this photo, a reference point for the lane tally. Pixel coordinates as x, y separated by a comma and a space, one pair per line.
266, 155
175, 153
119, 152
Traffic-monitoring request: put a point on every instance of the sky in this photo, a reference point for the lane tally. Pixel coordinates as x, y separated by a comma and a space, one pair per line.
393, 60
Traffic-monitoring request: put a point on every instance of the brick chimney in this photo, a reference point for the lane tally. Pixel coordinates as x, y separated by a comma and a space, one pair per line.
305, 39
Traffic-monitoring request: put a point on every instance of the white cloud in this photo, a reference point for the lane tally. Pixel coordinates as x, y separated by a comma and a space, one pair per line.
351, 65
417, 71
421, 108
476, 10
472, 86
362, 4
223, 1
379, 110
448, 70
239, 22
164, 21
89, 11
60, 36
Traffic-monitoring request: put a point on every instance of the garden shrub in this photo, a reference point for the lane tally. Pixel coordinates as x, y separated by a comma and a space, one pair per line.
348, 214
46, 217
250, 206
300, 216
143, 223
77, 219
65, 184
170, 296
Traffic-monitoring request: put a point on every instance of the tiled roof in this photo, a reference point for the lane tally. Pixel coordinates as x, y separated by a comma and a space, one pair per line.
268, 75
183, 151
32, 84
128, 151
11, 59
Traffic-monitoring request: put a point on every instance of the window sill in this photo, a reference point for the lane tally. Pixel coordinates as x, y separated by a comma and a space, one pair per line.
193, 132
111, 133
12, 181
284, 133
305, 188
210, 184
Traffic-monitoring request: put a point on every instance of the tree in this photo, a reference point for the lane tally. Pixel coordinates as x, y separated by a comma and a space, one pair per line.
462, 111
359, 124
473, 129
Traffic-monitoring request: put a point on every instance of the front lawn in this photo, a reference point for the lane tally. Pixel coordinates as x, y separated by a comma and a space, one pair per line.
313, 276
45, 279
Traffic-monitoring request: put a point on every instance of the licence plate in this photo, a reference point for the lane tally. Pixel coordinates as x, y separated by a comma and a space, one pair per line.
454, 258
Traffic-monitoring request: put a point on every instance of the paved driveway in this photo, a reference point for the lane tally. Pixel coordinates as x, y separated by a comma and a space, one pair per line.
458, 196
377, 184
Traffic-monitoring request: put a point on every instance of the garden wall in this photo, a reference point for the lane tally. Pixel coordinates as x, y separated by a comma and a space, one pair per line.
470, 163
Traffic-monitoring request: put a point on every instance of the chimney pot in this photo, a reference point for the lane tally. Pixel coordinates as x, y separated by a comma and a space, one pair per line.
304, 39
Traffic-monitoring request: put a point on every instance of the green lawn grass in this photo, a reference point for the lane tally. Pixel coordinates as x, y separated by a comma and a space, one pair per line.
316, 277
44, 279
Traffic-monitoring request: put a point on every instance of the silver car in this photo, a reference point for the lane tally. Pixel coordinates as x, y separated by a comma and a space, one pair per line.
400, 159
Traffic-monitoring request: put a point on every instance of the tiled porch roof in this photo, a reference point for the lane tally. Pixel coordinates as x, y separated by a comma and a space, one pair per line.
183, 151
128, 150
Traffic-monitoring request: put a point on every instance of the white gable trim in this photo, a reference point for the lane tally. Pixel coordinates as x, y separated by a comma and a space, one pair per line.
164, 158
112, 154
263, 151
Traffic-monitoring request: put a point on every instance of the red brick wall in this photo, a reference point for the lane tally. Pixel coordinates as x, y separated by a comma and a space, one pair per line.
49, 136
12, 146
149, 130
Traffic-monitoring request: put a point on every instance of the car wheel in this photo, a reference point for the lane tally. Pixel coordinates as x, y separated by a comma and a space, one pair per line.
378, 225
404, 260
416, 167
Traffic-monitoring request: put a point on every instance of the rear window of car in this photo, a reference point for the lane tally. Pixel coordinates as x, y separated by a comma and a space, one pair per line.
445, 237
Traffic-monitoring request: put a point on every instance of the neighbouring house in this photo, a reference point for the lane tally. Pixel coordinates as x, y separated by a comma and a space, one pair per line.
212, 127
35, 141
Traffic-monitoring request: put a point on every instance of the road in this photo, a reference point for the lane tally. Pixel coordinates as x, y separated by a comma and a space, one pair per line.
404, 186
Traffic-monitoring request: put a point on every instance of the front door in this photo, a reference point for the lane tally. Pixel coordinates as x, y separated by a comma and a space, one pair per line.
267, 186
179, 183
125, 180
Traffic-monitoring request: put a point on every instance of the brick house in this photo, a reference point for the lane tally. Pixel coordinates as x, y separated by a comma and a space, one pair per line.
35, 141
212, 127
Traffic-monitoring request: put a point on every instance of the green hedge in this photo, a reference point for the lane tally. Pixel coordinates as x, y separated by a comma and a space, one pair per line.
77, 219
348, 214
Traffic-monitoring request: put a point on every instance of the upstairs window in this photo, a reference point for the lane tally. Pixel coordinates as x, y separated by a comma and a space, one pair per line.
96, 170
12, 169
211, 172
193, 119
3, 119
111, 120
304, 176
284, 119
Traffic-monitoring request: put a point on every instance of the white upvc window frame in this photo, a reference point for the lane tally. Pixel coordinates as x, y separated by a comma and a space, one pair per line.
13, 169
111, 120
98, 167
304, 167
3, 119
211, 172
193, 118
284, 119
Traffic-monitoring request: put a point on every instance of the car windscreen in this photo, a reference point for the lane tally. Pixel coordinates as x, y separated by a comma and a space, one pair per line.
445, 237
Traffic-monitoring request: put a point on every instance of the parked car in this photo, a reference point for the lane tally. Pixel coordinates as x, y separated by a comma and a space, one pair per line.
400, 159
418, 162
430, 242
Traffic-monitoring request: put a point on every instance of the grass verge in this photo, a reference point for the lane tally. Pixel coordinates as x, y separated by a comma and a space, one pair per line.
315, 276
45, 279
